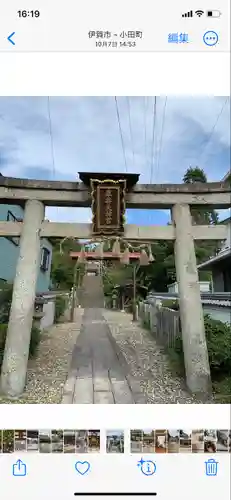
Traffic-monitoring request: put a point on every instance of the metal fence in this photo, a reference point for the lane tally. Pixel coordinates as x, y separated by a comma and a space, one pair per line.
164, 323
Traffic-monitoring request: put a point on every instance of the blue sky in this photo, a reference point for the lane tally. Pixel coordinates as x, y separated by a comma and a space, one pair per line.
86, 137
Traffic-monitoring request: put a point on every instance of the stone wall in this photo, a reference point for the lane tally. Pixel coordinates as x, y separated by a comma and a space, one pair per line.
49, 314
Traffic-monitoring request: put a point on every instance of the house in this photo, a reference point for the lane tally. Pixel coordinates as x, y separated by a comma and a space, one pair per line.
9, 251
220, 265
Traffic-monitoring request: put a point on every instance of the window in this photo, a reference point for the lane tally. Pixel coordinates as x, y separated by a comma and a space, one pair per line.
45, 259
11, 218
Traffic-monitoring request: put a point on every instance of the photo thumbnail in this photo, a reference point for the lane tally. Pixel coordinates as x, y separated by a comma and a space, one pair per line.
45, 441
115, 441
210, 443
57, 441
20, 440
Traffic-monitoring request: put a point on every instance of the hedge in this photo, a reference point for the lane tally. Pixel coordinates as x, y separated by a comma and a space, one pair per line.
218, 337
5, 302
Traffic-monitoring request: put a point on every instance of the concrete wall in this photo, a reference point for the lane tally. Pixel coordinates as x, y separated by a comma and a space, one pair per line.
9, 251
221, 313
204, 287
49, 313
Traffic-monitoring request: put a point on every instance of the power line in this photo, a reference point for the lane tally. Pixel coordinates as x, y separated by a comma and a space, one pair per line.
213, 128
153, 139
131, 134
51, 136
161, 137
145, 130
121, 134
52, 145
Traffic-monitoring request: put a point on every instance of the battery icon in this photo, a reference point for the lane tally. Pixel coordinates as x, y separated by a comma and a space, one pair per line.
213, 13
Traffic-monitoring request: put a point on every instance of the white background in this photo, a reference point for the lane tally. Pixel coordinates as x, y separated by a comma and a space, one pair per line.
114, 74
175, 416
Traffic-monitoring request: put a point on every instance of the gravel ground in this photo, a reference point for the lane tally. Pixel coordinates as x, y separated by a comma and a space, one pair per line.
47, 372
147, 362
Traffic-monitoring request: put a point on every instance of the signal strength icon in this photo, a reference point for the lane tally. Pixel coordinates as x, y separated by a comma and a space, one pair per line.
188, 14
199, 13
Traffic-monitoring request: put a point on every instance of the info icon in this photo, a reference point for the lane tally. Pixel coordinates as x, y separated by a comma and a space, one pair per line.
147, 467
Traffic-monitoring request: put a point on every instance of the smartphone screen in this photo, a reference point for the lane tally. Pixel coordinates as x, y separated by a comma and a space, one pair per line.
115, 254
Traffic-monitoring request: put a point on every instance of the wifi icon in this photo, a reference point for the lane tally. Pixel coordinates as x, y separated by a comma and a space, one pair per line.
199, 13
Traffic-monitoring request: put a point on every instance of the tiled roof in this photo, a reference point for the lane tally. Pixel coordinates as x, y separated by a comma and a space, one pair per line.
224, 254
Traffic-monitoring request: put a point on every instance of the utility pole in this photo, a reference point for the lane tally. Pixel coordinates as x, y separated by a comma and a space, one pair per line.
74, 290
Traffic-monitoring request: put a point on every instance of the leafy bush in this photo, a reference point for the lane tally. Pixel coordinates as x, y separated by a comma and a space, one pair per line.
218, 337
3, 331
60, 305
223, 390
5, 301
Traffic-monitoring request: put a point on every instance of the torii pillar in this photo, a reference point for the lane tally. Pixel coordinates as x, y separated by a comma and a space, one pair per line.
196, 360
14, 367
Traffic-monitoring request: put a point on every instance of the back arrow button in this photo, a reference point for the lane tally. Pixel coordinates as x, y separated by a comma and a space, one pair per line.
9, 38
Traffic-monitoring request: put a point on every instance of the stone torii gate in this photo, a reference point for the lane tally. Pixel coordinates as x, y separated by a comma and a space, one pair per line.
35, 195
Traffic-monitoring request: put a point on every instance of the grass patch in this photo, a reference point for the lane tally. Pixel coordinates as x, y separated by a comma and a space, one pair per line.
176, 363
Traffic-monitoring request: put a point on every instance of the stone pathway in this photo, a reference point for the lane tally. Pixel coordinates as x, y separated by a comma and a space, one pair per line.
110, 360
147, 362
99, 373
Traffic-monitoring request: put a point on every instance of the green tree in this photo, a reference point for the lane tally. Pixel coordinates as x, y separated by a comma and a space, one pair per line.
228, 178
161, 273
193, 175
62, 269
199, 215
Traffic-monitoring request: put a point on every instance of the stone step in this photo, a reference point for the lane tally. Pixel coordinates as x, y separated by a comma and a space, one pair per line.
92, 292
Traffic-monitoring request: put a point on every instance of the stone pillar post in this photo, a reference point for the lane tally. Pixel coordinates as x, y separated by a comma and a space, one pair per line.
14, 367
192, 321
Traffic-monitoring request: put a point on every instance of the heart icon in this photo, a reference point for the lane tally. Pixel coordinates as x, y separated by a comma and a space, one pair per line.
82, 467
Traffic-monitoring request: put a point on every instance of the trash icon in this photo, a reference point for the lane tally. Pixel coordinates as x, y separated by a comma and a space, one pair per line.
211, 467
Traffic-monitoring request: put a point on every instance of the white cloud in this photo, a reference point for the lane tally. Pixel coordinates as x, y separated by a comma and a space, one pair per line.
86, 137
